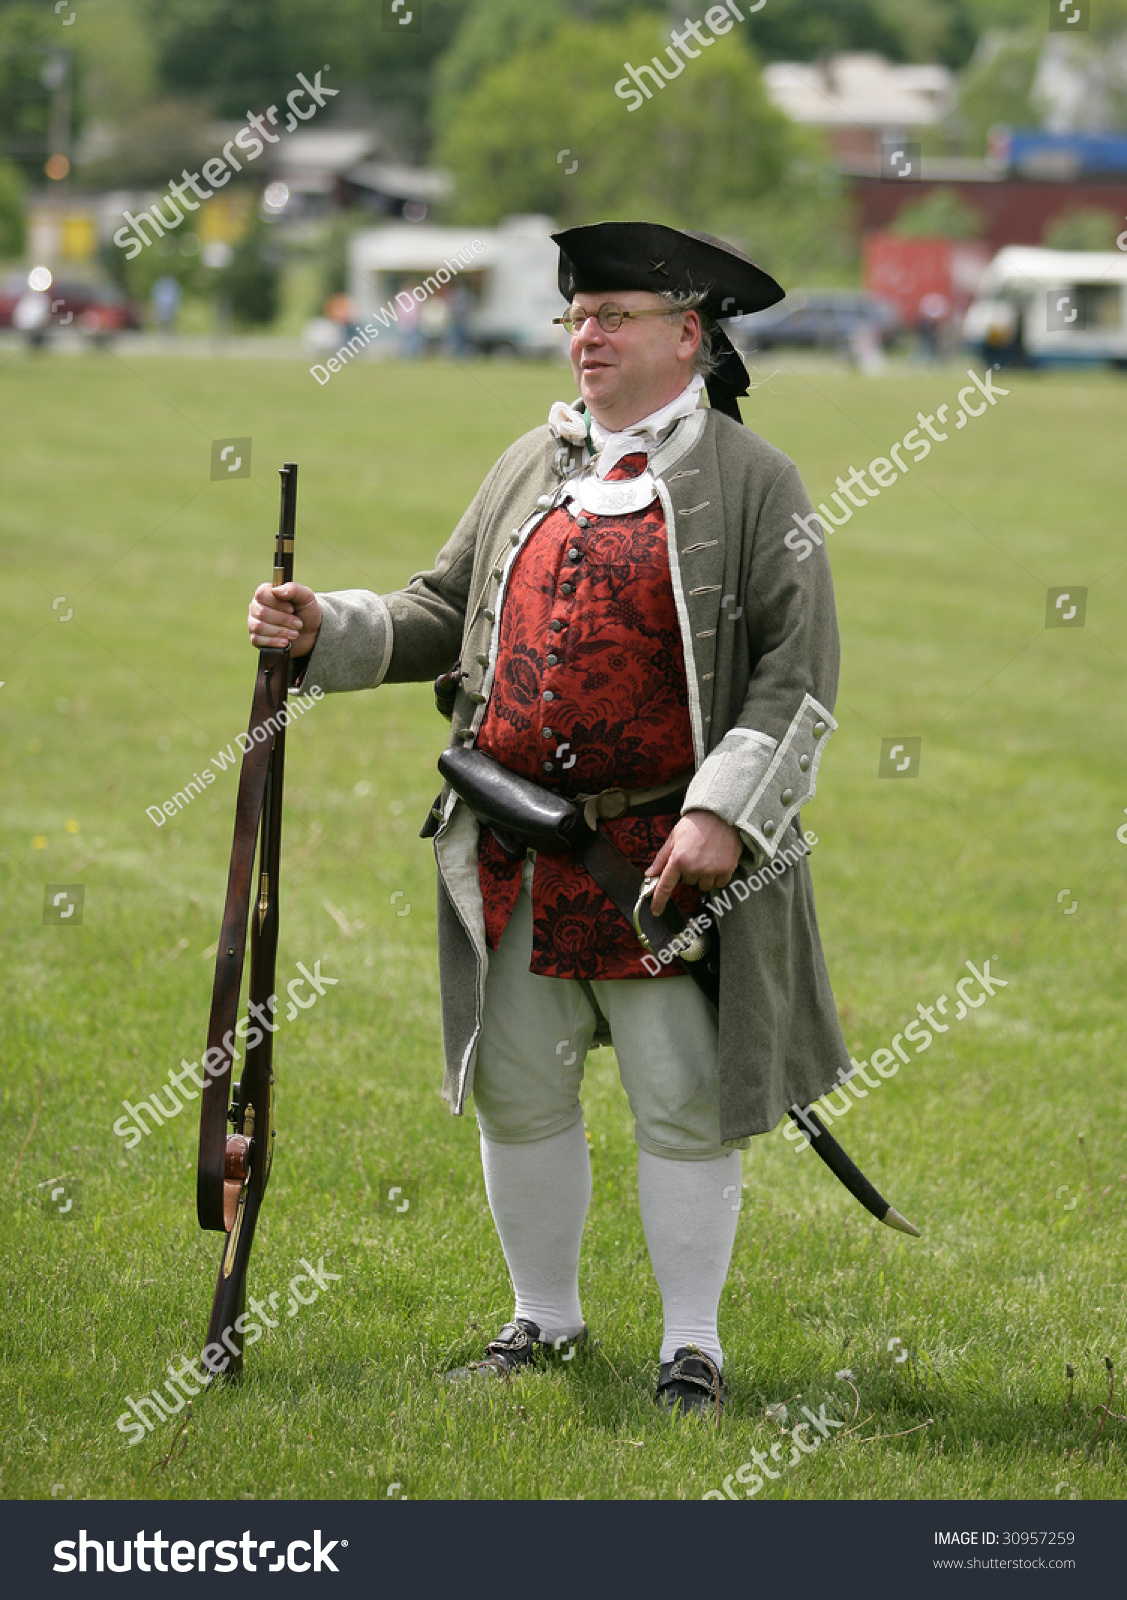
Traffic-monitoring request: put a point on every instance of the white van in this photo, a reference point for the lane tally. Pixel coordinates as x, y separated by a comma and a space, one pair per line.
501, 298
1048, 307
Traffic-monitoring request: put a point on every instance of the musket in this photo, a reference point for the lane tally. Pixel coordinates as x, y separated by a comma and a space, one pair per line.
233, 1169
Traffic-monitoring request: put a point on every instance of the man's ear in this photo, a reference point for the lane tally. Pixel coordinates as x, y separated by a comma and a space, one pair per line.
692, 325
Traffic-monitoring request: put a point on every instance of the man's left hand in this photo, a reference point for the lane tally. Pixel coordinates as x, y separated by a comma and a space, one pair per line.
702, 850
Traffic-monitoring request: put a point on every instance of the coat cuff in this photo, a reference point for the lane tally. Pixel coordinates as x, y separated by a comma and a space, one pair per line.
732, 772
353, 649
789, 780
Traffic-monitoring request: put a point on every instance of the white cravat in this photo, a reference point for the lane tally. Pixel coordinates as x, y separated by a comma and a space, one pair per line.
646, 434
589, 490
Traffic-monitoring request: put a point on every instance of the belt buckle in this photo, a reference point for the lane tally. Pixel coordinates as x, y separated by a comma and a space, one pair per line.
612, 803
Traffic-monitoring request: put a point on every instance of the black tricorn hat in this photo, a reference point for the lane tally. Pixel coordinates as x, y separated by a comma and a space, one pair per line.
650, 256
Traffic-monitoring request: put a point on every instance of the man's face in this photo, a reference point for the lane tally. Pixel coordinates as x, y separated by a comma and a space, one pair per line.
625, 375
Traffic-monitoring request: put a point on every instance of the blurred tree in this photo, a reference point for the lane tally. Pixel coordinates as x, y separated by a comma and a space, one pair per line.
942, 214
997, 85
490, 31
1089, 228
935, 30
29, 36
707, 151
802, 30
147, 144
12, 231
246, 57
902, 30
252, 281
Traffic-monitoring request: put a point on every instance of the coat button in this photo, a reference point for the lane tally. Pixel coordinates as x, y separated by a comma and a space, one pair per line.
787, 796
497, 573
819, 729
477, 698
804, 763
488, 615
553, 661
582, 522
565, 588
547, 695
514, 537
544, 502
557, 625
549, 766
768, 829
574, 554
482, 661
546, 733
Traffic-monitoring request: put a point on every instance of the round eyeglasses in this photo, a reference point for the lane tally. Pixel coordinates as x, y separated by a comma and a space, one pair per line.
610, 317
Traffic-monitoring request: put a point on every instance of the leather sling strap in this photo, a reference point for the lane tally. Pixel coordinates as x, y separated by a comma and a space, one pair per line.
269, 697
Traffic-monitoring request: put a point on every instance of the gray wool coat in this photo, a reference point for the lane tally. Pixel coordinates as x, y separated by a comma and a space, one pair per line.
759, 633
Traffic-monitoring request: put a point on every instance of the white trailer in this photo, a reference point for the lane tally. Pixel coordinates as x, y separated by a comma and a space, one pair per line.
503, 300
1051, 307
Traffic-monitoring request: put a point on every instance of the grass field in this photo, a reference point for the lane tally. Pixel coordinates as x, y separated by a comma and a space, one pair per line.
1004, 848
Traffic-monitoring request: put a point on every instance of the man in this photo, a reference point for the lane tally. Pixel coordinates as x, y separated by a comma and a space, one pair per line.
629, 623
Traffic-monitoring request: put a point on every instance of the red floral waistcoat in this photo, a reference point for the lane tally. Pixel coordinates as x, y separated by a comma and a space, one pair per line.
589, 693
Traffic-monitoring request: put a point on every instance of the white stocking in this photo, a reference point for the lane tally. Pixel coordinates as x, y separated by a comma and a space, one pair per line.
539, 1194
689, 1212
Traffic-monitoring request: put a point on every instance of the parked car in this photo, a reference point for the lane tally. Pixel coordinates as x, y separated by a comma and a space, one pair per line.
820, 319
96, 309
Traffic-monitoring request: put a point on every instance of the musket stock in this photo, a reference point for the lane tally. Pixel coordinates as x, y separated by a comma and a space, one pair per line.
233, 1169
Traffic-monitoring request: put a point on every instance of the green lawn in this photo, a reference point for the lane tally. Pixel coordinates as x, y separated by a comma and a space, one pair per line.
942, 592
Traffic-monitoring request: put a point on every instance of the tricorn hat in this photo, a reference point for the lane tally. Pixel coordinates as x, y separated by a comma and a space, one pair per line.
650, 256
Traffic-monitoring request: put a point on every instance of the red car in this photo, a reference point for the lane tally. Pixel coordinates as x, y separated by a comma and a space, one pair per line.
96, 309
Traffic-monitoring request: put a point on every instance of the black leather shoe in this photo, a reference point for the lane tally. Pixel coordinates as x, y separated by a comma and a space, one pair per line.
519, 1346
692, 1381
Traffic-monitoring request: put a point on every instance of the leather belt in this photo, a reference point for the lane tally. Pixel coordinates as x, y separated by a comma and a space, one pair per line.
611, 803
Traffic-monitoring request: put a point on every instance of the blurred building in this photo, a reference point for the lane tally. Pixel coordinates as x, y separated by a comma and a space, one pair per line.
341, 168
861, 100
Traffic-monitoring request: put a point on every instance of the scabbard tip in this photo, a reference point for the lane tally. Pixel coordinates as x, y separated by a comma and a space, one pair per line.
893, 1219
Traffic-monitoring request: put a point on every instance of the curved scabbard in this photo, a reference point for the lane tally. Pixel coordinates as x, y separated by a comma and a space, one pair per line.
270, 691
846, 1171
